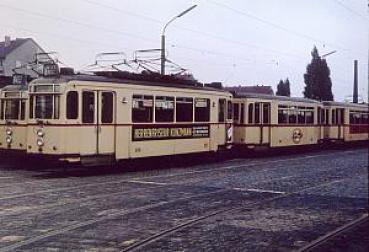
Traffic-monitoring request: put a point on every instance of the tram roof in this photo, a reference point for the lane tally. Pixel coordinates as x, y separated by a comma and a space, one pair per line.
10, 88
346, 104
275, 97
96, 78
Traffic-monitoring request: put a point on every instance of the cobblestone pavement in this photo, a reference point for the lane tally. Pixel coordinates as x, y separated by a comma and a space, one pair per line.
274, 203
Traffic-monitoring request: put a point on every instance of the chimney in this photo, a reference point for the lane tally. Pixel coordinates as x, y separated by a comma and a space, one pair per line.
356, 92
7, 41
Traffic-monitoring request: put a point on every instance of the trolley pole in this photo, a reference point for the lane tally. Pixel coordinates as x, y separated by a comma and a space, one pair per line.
162, 57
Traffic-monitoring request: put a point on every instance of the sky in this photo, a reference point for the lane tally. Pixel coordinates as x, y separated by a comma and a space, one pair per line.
236, 42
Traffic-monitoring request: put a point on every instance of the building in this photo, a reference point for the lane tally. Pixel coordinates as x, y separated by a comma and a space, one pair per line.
17, 54
252, 89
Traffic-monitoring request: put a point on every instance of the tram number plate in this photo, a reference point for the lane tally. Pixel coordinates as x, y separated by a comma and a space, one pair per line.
155, 132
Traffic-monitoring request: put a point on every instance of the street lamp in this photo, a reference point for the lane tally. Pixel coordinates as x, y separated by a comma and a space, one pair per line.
327, 54
163, 36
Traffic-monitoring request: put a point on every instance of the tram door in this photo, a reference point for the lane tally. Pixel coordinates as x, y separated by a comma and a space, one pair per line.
98, 111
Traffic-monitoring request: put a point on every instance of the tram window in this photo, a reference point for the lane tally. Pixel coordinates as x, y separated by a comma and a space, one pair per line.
236, 111
326, 116
164, 109
333, 119
31, 99
322, 115
44, 106
266, 113
365, 118
12, 109
56, 106
301, 116
242, 119
229, 110
309, 117
72, 105
221, 112
184, 109
2, 110
142, 108
107, 105
22, 109
292, 116
282, 115
319, 115
88, 107
202, 110
257, 113
341, 116
251, 113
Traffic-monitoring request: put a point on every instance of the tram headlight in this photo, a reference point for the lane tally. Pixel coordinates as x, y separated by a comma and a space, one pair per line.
9, 131
40, 133
8, 139
40, 142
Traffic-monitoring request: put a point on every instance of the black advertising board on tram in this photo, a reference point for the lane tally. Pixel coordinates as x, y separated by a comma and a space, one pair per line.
166, 132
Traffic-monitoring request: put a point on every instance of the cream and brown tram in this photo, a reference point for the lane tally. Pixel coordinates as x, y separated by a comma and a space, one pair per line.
13, 119
344, 122
263, 121
87, 118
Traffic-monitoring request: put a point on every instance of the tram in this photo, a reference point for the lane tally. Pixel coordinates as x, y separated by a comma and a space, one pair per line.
268, 121
344, 122
13, 119
90, 119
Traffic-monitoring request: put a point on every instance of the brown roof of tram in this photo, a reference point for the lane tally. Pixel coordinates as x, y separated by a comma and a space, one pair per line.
346, 104
95, 78
274, 97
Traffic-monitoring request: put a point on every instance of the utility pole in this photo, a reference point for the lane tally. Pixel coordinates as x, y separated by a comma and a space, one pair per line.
162, 58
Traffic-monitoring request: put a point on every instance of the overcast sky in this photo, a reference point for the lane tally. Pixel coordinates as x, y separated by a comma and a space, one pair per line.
237, 42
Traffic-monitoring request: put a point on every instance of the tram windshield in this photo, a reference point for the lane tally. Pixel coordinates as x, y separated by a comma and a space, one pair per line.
45, 106
12, 109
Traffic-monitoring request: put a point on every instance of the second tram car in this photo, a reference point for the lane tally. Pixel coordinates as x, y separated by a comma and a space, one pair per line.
82, 118
274, 121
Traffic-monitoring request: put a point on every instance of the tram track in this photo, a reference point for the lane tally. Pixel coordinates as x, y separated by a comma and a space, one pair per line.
132, 179
166, 232
331, 235
153, 238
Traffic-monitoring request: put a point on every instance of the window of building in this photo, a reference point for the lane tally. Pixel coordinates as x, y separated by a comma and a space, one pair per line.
72, 105
88, 107
164, 109
142, 108
107, 107
184, 109
221, 112
202, 110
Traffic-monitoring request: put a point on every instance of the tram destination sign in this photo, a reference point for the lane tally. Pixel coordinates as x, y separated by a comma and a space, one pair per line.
165, 132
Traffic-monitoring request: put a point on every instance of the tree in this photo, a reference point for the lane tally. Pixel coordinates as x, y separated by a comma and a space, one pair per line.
317, 79
283, 88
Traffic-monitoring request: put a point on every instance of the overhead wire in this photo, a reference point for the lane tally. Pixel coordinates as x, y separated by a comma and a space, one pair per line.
276, 26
